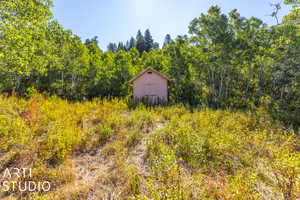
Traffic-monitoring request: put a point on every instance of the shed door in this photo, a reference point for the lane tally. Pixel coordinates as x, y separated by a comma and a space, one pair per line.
150, 89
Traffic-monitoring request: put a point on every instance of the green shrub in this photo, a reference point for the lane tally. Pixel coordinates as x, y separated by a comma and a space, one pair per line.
105, 133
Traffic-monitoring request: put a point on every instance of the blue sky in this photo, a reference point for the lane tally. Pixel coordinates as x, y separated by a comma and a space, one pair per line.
118, 20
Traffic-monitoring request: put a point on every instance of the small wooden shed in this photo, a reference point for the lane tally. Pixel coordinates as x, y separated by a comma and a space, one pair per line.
150, 84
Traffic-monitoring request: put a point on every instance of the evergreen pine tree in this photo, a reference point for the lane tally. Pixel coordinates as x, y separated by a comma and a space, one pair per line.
140, 42
168, 40
149, 43
121, 46
132, 43
112, 47
93, 40
127, 45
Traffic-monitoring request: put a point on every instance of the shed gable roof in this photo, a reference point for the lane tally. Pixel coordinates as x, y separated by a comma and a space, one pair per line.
148, 69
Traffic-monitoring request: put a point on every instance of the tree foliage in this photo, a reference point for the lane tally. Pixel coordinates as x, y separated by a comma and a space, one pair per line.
227, 61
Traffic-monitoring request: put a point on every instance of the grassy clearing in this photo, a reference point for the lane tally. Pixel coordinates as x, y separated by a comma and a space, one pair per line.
102, 149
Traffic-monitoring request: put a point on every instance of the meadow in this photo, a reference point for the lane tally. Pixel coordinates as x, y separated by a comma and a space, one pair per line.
103, 149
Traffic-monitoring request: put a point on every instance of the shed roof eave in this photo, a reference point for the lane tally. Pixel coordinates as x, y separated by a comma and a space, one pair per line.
146, 70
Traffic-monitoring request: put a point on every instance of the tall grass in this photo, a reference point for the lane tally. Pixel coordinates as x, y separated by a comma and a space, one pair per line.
202, 154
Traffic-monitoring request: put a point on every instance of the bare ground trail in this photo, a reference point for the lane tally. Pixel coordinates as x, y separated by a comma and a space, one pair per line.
93, 169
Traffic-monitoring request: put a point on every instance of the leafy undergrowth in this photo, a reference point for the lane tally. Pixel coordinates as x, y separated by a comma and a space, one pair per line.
103, 150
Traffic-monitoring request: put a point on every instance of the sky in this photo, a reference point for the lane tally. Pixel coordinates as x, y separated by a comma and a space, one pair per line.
118, 20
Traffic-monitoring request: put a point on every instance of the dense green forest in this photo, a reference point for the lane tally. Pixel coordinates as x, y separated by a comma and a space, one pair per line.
224, 61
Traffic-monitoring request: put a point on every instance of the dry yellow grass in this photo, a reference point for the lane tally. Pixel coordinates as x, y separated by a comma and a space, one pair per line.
104, 150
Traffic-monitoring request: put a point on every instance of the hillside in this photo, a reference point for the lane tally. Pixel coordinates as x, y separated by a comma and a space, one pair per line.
104, 150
